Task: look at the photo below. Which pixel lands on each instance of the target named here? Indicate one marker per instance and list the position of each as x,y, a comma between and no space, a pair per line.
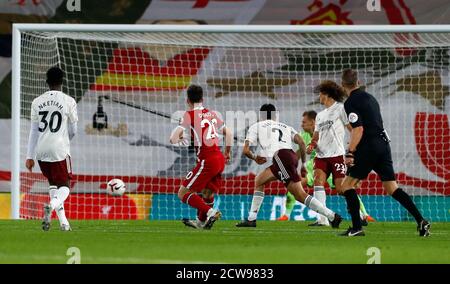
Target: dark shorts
57,173
333,165
284,166
373,155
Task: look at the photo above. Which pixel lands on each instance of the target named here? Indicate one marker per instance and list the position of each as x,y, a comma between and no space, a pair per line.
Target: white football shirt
271,136
53,110
330,123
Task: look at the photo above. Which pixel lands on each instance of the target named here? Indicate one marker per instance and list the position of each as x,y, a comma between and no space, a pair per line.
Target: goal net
139,80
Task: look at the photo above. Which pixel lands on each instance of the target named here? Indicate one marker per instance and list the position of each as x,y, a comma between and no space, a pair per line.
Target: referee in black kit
369,150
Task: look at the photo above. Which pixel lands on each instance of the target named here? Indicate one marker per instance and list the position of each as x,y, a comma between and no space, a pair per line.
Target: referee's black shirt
363,110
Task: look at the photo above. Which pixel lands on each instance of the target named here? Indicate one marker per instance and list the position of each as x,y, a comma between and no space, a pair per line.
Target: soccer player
308,125
369,150
53,124
307,175
207,195
204,126
328,141
275,139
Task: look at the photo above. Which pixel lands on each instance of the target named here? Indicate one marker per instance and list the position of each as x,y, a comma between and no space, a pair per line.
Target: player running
275,139
204,126
53,124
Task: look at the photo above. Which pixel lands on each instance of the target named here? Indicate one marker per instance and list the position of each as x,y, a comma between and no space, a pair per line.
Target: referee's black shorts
373,154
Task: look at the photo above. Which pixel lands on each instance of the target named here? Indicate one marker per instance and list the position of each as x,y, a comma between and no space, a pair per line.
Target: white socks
315,205
320,195
258,197
57,198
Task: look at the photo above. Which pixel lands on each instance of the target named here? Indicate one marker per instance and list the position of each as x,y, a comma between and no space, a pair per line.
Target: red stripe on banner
204,3
133,88
136,61
83,206
234,185
395,17
410,16
393,13
432,135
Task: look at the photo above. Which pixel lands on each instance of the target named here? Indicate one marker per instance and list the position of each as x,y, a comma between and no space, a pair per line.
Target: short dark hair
55,76
266,110
331,89
311,114
195,93
349,78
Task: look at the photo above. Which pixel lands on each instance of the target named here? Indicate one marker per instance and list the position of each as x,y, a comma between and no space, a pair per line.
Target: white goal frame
18,29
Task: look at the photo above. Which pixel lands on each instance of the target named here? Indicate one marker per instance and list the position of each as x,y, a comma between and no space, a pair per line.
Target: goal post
139,73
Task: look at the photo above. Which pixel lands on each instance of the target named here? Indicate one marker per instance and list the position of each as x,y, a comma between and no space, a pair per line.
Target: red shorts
206,174
284,166
58,173
335,165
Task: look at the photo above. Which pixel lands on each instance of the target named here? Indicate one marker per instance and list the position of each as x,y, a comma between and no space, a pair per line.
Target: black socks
406,201
353,207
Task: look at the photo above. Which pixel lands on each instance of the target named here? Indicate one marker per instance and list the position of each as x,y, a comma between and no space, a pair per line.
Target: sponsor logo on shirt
353,117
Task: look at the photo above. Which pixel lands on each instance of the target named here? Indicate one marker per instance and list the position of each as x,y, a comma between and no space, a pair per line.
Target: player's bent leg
297,190
319,193
208,197
198,223
423,226
319,177
362,212
348,188
261,179
60,212
57,203
182,192
192,199
290,203
60,196
47,217
63,222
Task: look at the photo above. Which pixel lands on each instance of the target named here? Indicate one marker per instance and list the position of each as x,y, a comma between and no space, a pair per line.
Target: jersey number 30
51,124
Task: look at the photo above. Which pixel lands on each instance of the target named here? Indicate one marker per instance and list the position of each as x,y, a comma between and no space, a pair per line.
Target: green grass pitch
171,242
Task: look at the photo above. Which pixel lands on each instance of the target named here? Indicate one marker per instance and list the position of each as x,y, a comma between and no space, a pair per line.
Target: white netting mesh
142,78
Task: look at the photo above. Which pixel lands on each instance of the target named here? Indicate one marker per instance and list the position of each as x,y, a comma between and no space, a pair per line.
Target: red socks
197,202
202,215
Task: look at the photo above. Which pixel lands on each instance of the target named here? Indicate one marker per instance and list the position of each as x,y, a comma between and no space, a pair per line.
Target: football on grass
116,187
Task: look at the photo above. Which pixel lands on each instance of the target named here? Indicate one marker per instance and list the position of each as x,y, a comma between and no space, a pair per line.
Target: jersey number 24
211,132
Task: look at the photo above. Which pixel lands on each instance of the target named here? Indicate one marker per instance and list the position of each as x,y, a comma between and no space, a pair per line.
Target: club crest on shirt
353,117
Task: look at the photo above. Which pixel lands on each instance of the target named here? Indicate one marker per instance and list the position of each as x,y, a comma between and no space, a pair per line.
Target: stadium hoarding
236,207
155,198
83,206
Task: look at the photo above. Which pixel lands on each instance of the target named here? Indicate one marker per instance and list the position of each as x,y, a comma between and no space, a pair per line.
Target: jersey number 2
212,133
51,123
280,134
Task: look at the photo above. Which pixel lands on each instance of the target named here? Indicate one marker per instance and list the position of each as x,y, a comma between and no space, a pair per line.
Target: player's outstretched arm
72,129
32,142
301,153
313,144
349,127
177,135
247,152
228,143
355,138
